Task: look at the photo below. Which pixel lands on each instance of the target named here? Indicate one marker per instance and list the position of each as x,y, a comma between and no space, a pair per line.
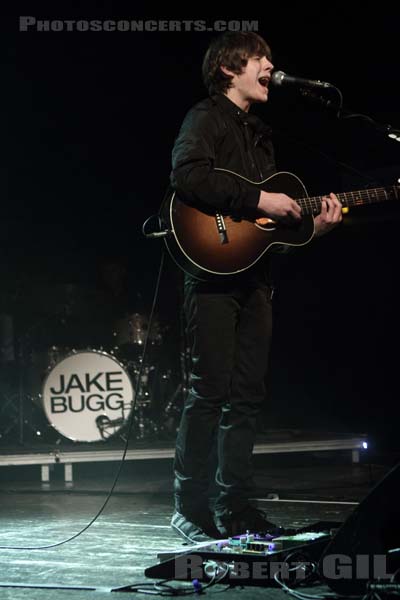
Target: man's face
252,84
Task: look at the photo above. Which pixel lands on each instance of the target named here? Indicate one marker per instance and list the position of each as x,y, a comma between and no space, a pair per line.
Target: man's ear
226,71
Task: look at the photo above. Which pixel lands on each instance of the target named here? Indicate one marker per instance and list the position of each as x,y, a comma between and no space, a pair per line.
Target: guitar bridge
221,227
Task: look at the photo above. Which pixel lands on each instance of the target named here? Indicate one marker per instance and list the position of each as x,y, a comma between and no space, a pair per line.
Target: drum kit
95,393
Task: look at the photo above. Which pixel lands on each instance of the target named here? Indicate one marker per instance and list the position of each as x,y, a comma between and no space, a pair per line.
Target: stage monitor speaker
364,547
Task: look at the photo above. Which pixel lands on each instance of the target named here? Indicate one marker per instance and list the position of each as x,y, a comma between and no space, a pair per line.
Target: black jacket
217,133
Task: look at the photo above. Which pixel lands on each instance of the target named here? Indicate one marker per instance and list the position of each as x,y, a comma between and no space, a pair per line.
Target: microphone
280,78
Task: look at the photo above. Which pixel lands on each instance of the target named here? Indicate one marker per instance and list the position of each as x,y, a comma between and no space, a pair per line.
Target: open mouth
264,81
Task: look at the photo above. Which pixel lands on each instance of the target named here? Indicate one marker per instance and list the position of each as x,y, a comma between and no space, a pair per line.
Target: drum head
88,396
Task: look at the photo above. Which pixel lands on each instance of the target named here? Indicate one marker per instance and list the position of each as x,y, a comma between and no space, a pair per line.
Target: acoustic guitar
207,244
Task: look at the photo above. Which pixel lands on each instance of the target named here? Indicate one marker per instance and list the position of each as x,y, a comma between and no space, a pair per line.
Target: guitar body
200,248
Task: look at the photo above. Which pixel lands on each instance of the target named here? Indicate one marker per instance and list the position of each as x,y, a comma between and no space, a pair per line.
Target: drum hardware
23,424
129,335
27,418
9,414
105,424
145,419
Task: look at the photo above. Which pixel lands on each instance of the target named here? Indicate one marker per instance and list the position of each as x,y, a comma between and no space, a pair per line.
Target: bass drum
88,396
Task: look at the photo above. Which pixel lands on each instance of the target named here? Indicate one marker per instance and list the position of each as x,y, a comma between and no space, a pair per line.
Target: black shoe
249,519
196,528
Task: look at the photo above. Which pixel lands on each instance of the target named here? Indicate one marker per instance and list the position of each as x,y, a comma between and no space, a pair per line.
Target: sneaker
249,519
196,528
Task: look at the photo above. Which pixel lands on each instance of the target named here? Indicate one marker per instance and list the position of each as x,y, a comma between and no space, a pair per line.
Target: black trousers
229,330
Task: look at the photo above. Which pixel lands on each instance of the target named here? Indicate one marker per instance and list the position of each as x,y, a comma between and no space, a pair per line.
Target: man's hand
279,207
330,215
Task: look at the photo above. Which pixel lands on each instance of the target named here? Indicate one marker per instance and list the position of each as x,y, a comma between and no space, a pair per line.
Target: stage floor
134,526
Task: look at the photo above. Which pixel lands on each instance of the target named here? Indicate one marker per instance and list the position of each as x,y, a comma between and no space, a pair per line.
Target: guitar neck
312,205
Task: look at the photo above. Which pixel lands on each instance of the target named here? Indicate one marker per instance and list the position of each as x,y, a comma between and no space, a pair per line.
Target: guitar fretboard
312,205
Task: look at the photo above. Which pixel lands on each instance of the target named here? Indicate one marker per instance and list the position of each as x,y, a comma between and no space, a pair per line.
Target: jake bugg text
89,391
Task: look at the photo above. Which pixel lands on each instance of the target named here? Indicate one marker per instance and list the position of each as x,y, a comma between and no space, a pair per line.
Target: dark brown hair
231,50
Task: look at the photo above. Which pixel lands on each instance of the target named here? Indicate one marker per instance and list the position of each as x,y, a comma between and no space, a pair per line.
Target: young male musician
229,321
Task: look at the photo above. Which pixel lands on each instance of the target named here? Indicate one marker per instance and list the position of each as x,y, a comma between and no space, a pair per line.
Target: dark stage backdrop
88,122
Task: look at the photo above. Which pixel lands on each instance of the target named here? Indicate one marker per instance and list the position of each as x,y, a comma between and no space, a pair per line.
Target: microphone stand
343,113
320,97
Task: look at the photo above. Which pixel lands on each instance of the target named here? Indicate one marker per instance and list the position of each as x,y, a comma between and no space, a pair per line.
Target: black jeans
229,331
